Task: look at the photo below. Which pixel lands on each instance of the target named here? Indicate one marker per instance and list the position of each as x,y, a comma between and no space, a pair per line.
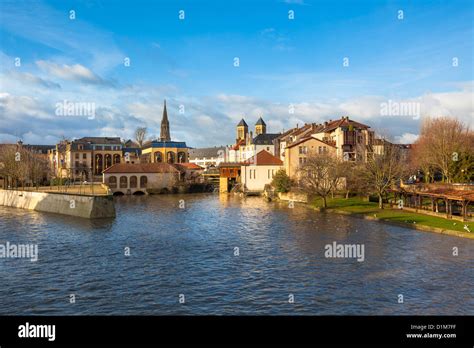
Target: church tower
260,127
242,130
165,126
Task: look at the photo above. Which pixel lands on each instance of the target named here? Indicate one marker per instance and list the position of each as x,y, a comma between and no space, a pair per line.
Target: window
76,164
76,155
113,182
123,182
107,148
133,182
143,181
158,157
84,156
303,150
80,147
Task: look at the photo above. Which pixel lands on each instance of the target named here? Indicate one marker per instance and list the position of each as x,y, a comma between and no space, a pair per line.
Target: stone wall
67,204
294,196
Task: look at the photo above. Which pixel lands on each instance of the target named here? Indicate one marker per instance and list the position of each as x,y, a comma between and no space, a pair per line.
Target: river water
190,253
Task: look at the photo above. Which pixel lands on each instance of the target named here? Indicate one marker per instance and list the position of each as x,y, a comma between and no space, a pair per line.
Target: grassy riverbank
358,206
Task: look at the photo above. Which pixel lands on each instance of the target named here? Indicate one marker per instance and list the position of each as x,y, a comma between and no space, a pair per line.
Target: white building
259,170
209,156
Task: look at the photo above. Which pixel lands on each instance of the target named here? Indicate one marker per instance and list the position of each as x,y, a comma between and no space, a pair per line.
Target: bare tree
320,174
442,141
140,135
355,178
383,169
20,165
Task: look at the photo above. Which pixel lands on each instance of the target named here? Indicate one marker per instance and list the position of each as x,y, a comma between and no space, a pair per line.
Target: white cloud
406,138
76,72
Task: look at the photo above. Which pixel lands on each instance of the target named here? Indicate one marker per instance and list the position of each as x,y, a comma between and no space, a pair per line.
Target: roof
240,142
263,158
305,139
187,166
265,139
206,152
127,168
131,144
242,123
100,140
343,122
260,122
230,165
165,144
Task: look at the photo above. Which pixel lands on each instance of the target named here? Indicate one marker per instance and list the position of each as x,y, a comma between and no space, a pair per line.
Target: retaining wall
75,205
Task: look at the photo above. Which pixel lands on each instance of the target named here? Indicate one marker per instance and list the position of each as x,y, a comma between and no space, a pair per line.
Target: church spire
165,126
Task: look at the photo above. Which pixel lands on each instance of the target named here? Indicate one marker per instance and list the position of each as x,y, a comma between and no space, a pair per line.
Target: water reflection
191,250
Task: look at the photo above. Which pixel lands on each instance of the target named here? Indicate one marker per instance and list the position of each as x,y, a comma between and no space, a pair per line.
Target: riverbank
360,208
85,206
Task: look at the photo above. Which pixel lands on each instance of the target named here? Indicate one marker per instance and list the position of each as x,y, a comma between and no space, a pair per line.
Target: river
227,255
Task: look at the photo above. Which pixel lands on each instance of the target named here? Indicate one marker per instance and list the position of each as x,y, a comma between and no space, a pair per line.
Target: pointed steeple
165,126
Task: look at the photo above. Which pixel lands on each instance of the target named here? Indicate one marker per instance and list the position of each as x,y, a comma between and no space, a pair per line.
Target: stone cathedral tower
165,126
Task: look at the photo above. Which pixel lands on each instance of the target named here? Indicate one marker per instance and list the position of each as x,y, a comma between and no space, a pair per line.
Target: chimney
297,125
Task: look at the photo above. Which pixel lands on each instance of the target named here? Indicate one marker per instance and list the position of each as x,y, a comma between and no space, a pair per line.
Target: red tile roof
263,158
188,166
141,168
343,122
239,143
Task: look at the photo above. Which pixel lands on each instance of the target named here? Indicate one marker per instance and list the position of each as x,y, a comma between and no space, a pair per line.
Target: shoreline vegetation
361,208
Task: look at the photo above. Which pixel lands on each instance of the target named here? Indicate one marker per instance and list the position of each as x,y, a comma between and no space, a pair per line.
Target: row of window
124,182
80,147
303,150
77,154
253,173
170,157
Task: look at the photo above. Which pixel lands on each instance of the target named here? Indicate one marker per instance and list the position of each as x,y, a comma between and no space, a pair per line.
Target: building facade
296,153
247,145
208,157
128,178
85,158
258,171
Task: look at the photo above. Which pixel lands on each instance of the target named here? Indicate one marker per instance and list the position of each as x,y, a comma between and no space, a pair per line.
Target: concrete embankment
67,204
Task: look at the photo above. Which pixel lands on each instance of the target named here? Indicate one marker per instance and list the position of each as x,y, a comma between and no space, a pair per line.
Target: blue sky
190,62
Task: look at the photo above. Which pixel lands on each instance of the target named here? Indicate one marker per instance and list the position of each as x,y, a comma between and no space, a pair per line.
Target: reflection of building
85,156
127,178
259,170
164,150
